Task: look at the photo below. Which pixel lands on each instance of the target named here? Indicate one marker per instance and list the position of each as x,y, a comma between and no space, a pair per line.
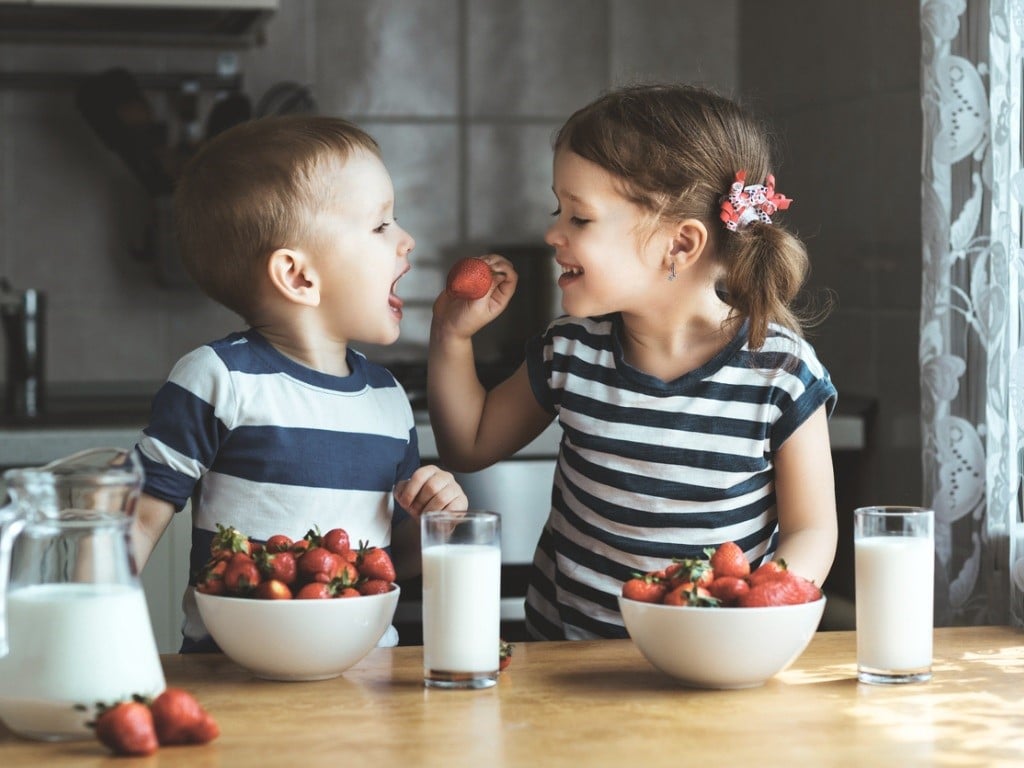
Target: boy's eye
557,211
384,225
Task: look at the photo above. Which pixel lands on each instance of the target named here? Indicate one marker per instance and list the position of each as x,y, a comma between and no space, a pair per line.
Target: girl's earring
672,271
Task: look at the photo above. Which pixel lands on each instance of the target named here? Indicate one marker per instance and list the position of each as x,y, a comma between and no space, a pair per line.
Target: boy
289,221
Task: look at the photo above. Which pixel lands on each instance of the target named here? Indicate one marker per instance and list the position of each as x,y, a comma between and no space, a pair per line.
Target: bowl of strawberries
307,609
713,623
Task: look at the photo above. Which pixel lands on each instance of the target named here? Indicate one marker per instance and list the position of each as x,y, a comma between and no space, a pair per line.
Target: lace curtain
972,361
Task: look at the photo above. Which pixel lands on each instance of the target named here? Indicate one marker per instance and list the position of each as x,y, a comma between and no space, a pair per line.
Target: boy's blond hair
252,190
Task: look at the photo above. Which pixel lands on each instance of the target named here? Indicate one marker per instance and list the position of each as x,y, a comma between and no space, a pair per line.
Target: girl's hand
461,317
430,488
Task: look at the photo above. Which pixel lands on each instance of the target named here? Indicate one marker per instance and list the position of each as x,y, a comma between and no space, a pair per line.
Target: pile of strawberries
139,726
317,566
724,579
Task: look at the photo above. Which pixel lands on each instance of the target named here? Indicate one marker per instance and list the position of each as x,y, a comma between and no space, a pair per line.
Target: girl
692,410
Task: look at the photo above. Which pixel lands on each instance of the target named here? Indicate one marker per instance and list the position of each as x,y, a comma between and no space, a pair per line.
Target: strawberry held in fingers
470,278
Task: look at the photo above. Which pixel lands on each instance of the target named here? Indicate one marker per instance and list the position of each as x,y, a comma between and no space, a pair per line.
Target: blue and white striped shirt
649,470
264,444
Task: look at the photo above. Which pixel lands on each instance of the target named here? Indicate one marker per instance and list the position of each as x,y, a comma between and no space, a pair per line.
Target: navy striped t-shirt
650,470
259,442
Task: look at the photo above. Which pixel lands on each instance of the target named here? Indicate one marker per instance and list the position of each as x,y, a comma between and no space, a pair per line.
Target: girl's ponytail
766,269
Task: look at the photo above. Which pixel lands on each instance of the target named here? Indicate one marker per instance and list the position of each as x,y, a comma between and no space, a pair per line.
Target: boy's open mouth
569,274
395,303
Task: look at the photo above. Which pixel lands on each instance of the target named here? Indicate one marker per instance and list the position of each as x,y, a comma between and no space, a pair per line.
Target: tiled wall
463,96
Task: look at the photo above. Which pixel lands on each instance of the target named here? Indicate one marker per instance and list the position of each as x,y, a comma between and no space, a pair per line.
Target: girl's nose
552,237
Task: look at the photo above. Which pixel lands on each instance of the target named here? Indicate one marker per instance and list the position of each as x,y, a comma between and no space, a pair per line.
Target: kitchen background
464,97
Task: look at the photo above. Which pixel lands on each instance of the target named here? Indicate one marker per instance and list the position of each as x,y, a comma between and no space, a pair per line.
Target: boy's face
360,253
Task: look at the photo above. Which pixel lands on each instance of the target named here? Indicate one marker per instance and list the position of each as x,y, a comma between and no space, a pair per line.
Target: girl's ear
689,239
293,277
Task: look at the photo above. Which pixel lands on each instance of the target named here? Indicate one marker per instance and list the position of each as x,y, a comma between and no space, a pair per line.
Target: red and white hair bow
746,204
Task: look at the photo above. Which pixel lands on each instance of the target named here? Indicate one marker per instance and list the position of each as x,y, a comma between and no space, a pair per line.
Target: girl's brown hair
253,189
675,150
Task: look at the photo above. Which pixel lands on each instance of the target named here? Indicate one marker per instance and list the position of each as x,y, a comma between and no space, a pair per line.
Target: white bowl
721,647
297,639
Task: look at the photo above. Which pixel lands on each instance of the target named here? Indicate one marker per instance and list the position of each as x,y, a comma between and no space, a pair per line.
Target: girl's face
607,265
361,253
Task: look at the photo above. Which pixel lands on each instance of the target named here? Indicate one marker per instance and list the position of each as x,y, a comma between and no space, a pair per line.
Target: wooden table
599,704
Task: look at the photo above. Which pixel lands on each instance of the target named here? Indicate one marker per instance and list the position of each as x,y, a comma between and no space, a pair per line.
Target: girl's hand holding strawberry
463,317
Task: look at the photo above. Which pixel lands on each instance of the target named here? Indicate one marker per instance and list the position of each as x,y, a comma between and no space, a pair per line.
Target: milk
74,644
461,608
894,602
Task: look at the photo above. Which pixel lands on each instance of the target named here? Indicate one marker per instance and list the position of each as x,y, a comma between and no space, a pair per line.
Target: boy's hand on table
430,487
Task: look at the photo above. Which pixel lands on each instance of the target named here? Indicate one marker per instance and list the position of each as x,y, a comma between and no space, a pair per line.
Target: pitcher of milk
76,629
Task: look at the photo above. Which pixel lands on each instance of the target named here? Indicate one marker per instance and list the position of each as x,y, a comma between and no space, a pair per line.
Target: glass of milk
461,598
894,563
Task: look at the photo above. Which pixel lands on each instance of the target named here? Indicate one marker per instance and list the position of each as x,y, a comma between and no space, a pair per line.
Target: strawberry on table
504,654
469,278
127,728
180,719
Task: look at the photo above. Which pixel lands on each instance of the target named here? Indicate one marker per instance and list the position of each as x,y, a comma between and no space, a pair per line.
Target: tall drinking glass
894,556
461,598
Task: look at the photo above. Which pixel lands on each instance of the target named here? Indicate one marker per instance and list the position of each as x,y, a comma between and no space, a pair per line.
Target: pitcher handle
10,527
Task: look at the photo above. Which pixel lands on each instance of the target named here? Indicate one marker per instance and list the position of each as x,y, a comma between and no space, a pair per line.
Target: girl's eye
384,225
576,221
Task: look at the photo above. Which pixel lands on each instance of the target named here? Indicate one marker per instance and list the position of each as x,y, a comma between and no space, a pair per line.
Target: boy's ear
689,238
293,277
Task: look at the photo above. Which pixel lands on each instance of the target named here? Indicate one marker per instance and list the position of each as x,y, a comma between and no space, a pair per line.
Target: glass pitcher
76,629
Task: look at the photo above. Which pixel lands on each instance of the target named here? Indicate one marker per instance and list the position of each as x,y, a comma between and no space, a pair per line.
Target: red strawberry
374,587
348,592
315,590
228,541
127,729
646,588
319,564
336,540
242,575
504,654
273,589
782,590
180,719
728,589
375,563
689,570
728,560
278,543
767,571
211,580
278,565
470,278
689,593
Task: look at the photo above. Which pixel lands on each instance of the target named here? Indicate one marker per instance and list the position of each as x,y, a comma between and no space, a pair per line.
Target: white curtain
972,362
